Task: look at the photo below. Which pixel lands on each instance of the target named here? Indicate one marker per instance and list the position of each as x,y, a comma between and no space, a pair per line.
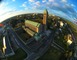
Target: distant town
37,36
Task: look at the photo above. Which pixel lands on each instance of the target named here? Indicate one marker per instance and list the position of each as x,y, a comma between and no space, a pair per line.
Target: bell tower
45,18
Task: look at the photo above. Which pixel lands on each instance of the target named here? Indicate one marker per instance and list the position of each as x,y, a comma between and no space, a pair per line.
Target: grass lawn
51,54
19,55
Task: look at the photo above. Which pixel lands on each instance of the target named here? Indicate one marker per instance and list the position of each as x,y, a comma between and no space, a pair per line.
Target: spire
45,11
45,18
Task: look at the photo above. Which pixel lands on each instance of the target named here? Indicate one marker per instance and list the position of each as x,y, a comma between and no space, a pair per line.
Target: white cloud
2,7
51,0
5,9
25,2
48,3
72,5
37,3
31,0
43,1
35,7
55,4
13,0
24,5
64,1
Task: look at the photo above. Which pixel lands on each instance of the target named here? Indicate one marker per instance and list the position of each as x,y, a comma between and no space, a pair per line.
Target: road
33,53
9,50
20,43
43,48
58,47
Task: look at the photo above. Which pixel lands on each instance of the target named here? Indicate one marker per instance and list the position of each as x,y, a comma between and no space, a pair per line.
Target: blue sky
63,8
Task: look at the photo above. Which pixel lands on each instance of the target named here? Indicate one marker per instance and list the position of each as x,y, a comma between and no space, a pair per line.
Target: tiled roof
36,24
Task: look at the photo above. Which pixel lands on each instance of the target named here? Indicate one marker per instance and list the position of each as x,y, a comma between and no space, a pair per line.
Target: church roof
36,24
